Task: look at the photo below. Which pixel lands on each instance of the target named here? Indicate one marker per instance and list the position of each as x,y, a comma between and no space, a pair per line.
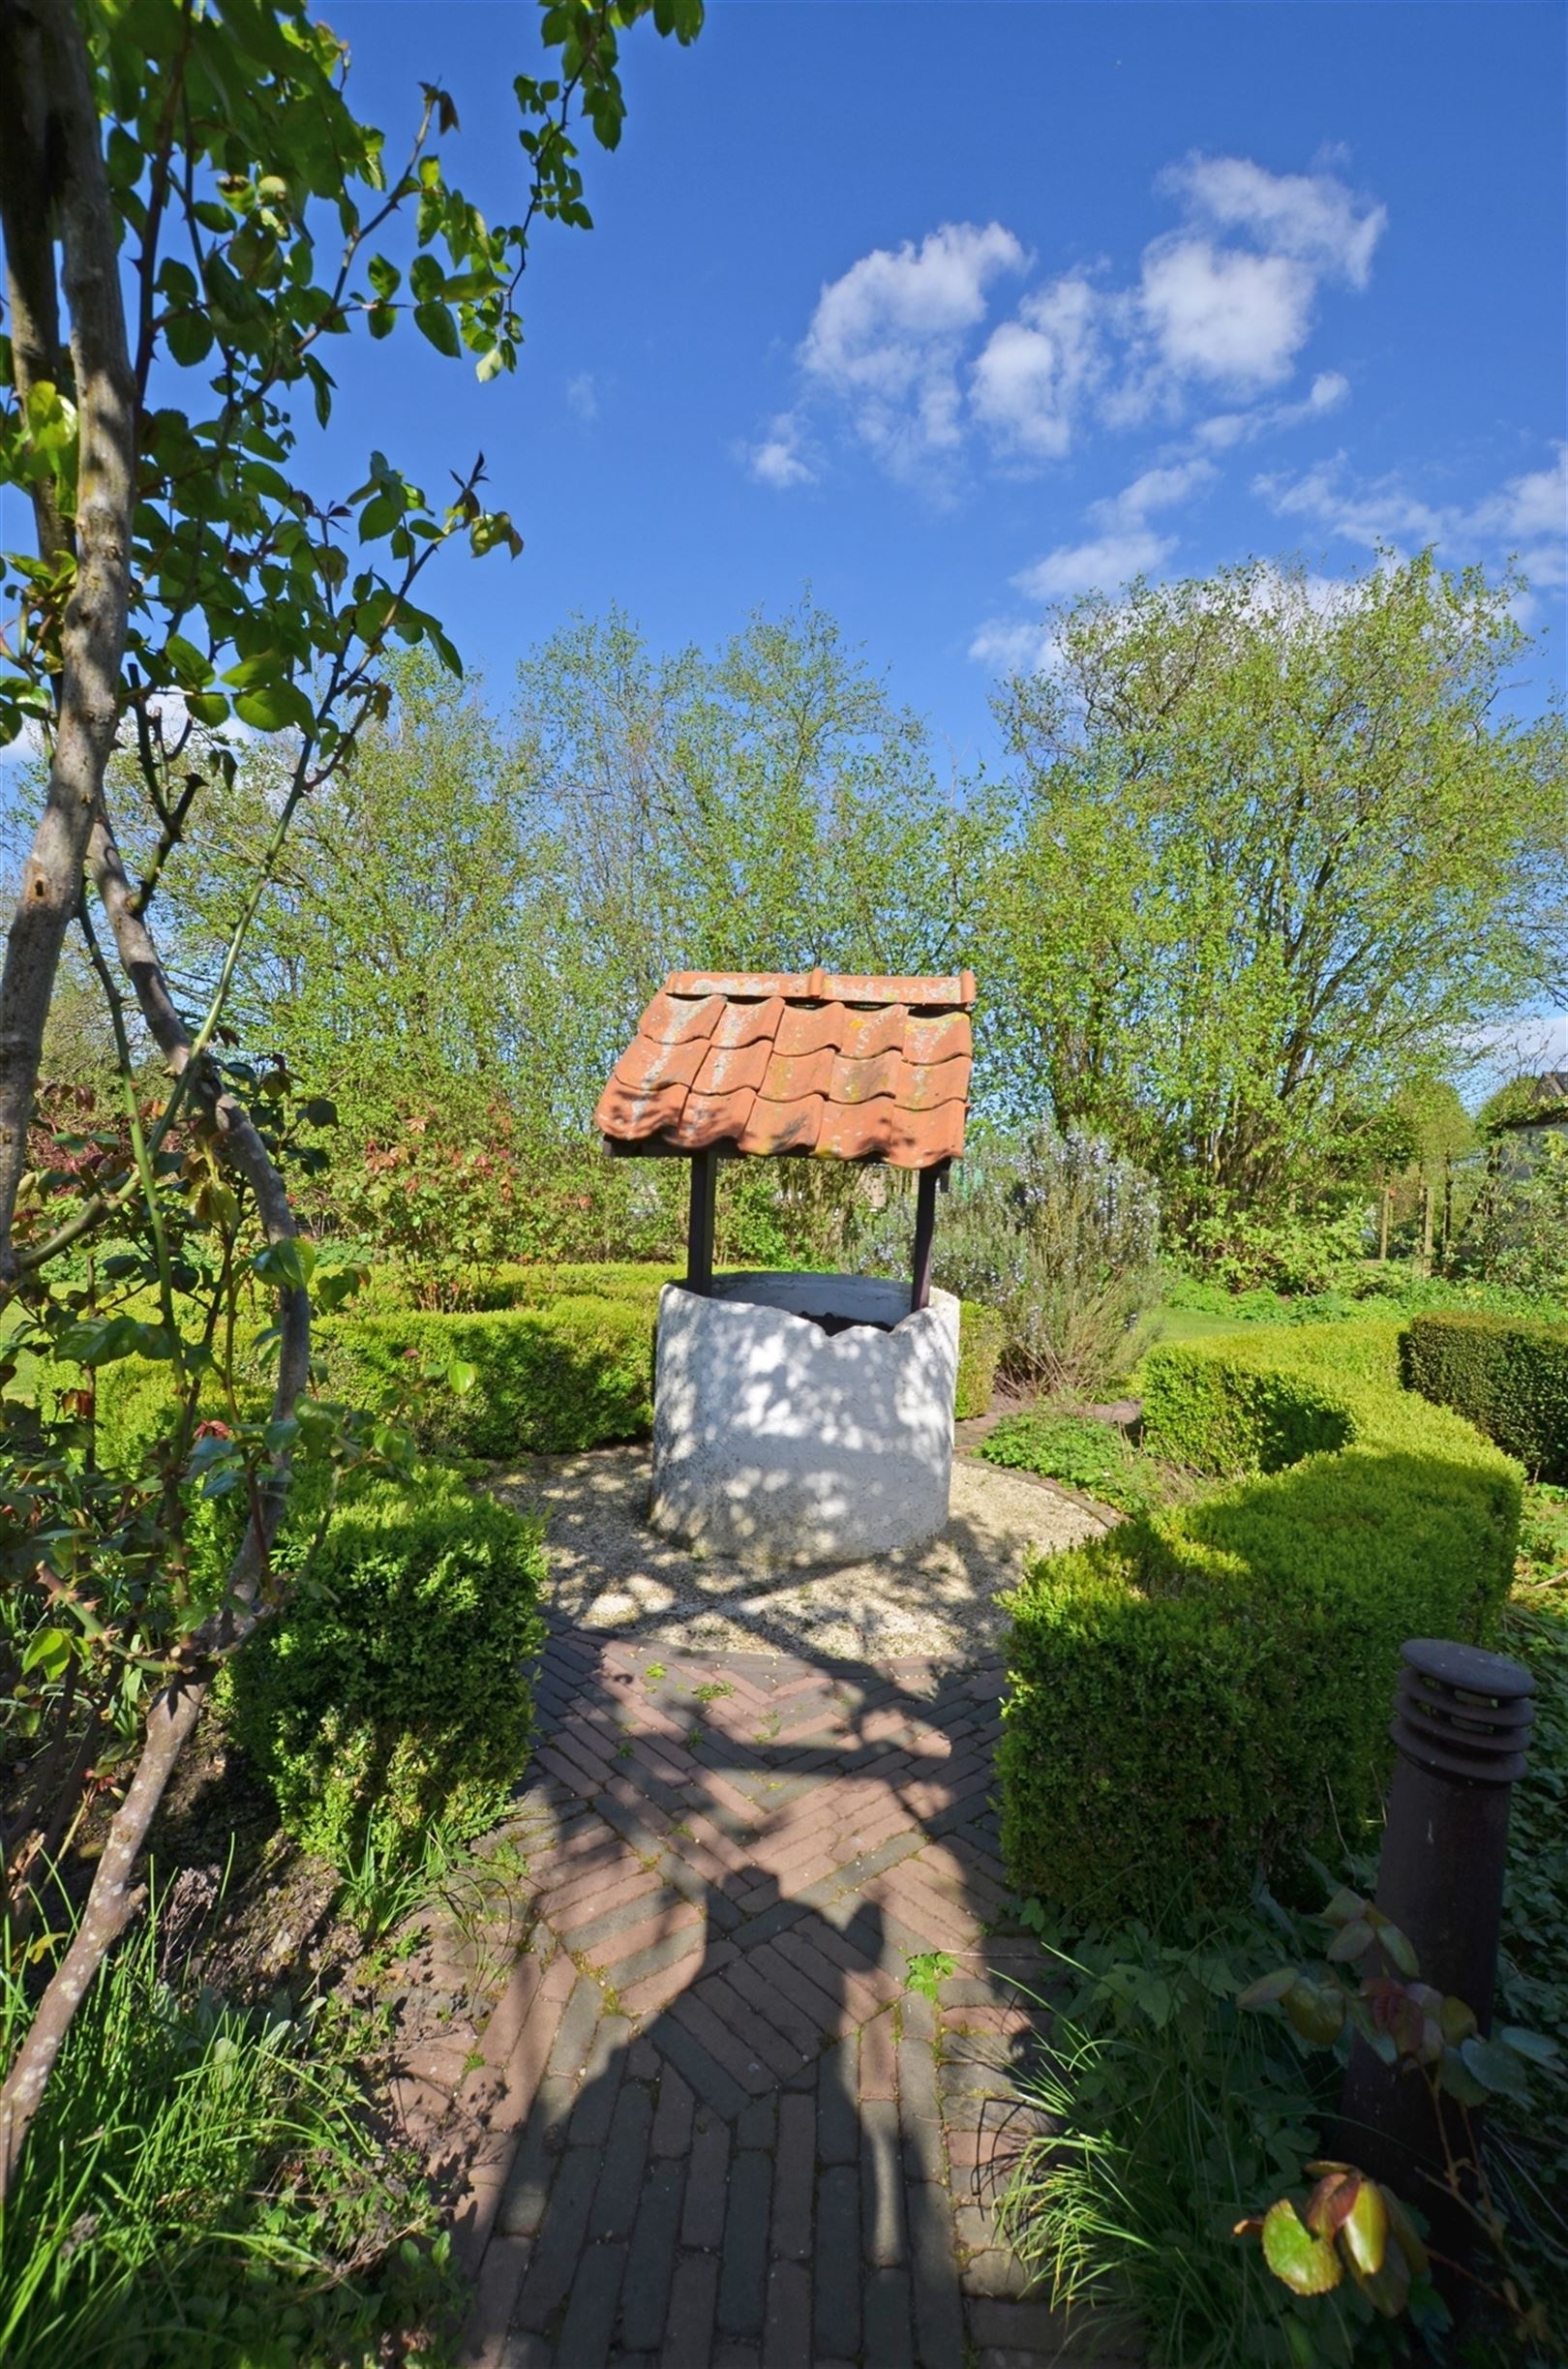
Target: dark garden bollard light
1462,1722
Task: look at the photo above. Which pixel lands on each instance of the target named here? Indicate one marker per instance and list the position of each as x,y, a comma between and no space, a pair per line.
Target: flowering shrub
1059,1235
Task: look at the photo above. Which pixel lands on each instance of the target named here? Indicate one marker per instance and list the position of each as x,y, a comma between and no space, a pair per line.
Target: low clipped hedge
577,1374
1508,1377
393,1692
1205,1691
570,1369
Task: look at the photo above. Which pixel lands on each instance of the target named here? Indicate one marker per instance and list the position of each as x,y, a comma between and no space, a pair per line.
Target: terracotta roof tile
844,1066
805,1029
671,1019
782,1127
862,1081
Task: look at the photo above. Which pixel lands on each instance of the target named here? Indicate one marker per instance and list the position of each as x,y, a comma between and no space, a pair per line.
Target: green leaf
1495,2068
1269,1989
191,667
188,337
1351,1941
461,1375
274,707
436,323
1316,2011
49,1652
1305,2263
1364,2230
289,1263
1396,1948
1457,2081
51,421
207,706
1536,2046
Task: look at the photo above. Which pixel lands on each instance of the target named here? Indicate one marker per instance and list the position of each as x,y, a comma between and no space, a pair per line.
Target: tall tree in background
1277,855
191,212
764,806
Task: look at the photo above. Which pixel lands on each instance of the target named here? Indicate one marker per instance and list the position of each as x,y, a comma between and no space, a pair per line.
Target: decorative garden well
800,1418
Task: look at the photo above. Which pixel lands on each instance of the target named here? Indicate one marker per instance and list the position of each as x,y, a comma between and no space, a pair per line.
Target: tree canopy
1277,856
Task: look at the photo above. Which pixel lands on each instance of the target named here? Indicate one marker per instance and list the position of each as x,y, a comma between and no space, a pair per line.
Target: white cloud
888,336
1313,217
777,459
1527,516
1531,510
1011,647
583,395
1033,370
1328,390
1103,564
1221,313
1157,489
906,347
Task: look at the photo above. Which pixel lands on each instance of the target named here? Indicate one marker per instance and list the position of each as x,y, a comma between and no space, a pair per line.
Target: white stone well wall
779,1440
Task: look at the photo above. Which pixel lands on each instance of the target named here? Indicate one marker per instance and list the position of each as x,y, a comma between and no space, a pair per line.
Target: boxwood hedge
1205,1691
1510,1378
575,1374
559,1363
393,1689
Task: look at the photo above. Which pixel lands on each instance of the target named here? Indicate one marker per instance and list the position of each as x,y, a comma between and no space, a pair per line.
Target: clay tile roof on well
841,1065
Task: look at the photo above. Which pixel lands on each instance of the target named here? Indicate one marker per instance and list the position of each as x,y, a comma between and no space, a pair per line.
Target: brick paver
717,2124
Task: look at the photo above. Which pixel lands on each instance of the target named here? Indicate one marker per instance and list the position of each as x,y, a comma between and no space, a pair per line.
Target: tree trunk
45,80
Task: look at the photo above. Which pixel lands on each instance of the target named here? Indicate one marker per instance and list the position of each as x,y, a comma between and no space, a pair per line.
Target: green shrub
575,1374
982,1332
1509,1378
1057,1233
1209,1686
629,1283
392,1691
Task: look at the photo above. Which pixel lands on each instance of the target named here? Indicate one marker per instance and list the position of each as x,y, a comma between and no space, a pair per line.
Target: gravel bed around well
609,1570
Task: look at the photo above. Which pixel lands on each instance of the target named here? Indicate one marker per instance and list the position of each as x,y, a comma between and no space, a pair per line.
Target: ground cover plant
1086,1454
205,2184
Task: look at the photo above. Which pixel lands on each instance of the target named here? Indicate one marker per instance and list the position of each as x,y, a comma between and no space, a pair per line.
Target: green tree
190,213
1276,856
766,805
390,960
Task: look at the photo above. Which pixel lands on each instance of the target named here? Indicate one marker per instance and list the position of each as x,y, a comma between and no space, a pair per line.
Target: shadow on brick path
719,2125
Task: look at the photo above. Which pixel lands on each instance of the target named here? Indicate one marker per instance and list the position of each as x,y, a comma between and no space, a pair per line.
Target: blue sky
949,309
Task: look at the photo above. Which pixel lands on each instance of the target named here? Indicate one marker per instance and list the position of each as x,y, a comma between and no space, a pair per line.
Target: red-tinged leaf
1332,2201
1302,2261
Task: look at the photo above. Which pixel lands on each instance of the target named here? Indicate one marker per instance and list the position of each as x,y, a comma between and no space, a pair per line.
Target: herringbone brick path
723,2129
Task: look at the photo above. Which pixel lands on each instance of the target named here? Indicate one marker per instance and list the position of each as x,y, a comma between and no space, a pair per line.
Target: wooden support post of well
700,1223
926,1193
1425,1224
